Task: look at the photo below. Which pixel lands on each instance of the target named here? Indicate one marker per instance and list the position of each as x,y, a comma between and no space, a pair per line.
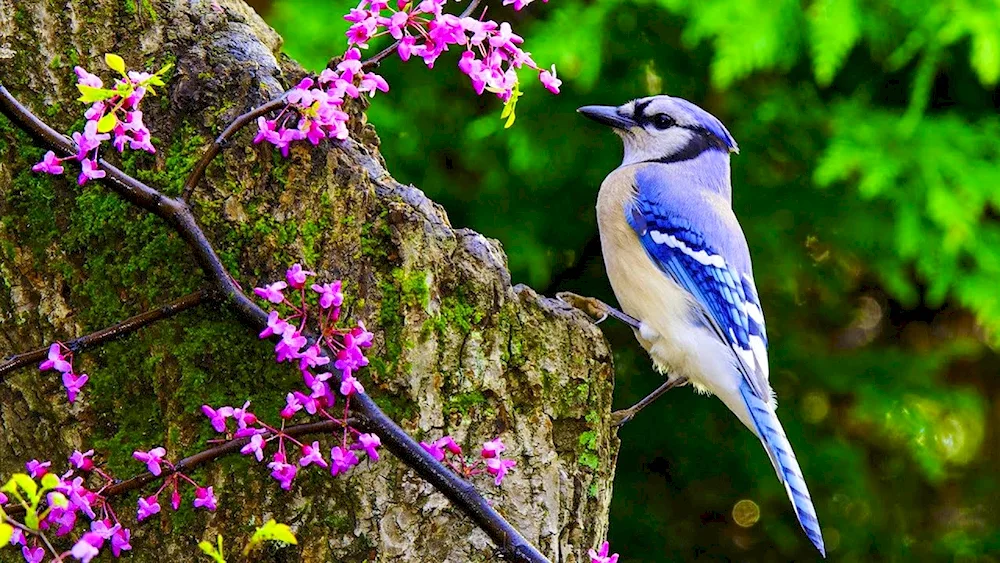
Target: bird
679,263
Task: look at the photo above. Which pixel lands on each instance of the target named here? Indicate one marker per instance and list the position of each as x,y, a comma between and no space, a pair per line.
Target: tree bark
459,350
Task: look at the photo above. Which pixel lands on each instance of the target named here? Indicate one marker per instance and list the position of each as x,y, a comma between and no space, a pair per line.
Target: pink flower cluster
68,501
446,450
317,307
113,111
492,52
61,359
204,497
491,57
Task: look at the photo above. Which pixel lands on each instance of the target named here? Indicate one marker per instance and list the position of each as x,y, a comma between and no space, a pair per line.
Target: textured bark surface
459,350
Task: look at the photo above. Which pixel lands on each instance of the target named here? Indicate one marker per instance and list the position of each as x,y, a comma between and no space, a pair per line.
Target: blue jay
678,262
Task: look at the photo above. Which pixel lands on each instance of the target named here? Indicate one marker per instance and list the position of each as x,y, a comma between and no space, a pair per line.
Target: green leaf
271,531
107,123
91,94
986,55
115,63
833,31
6,531
211,551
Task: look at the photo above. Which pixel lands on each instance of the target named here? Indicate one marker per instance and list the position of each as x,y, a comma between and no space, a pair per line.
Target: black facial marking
639,114
702,140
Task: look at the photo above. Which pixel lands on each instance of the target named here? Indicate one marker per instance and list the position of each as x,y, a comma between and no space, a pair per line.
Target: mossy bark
459,350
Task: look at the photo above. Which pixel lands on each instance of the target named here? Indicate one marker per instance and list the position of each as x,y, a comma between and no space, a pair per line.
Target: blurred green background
869,189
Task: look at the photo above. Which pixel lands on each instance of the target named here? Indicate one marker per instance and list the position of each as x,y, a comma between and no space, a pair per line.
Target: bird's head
663,129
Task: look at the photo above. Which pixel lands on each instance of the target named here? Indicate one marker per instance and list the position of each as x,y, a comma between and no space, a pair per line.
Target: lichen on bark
459,349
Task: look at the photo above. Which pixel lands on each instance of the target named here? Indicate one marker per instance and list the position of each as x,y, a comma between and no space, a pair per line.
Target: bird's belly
677,346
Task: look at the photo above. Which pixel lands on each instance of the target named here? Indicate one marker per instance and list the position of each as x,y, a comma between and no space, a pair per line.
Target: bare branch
511,544
220,142
114,332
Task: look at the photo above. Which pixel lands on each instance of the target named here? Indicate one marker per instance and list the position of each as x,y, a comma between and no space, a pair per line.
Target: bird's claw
618,418
594,308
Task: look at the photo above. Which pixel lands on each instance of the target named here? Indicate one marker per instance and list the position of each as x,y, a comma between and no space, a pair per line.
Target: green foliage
869,191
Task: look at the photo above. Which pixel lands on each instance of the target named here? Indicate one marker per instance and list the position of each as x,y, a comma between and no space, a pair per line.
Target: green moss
396,408
181,156
456,313
463,402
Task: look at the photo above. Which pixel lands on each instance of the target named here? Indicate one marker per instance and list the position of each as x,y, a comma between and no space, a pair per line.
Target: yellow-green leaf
209,549
31,519
115,63
50,481
107,123
271,531
91,94
25,483
58,499
6,531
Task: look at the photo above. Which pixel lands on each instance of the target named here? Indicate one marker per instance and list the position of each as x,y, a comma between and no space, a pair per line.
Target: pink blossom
312,454
601,556
330,294
275,325
255,446
17,538
549,80
73,384
266,131
370,444
82,461
283,472
153,458
83,550
292,406
499,467
289,345
405,47
87,79
341,460
38,469
56,360
217,417
32,554
50,164
147,507
312,357
350,386
90,172
296,276
120,541
205,498
64,517
243,416
175,499
493,448
271,292
434,449
372,82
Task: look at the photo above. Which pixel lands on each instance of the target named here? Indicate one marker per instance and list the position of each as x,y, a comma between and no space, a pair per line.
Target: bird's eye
663,121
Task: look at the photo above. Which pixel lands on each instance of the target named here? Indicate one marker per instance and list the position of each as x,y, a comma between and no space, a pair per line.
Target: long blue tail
772,435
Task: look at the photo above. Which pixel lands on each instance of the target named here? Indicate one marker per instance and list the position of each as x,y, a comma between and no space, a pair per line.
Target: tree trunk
458,350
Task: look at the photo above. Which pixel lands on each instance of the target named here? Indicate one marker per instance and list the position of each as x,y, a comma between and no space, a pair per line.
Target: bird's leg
596,308
600,310
621,417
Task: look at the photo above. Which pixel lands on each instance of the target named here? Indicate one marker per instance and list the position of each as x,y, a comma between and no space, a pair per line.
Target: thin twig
213,149
28,530
377,58
511,544
114,332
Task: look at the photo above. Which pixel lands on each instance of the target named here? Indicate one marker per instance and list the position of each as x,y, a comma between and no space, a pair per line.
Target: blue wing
728,298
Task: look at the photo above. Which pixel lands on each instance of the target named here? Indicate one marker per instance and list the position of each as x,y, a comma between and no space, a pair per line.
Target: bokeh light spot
746,513
815,406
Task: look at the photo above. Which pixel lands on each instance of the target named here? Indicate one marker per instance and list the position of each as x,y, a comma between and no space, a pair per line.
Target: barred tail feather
772,435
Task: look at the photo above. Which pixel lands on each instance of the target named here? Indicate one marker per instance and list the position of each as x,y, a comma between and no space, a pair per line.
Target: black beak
607,115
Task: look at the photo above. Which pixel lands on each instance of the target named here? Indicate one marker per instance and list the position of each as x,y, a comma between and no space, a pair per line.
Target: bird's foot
595,308
619,418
